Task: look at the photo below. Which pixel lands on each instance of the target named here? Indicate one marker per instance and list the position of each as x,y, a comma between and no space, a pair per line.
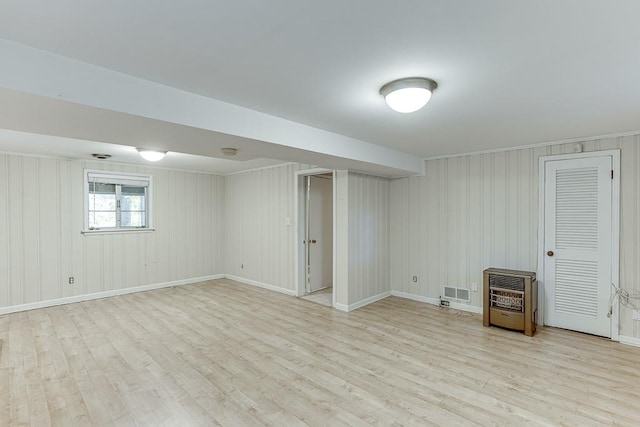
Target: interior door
319,232
578,244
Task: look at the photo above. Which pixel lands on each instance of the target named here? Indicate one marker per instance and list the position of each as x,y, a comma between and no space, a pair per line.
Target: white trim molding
106,294
362,303
435,301
259,284
298,222
534,145
629,340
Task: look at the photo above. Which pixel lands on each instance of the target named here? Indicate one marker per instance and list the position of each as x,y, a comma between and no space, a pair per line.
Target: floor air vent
460,294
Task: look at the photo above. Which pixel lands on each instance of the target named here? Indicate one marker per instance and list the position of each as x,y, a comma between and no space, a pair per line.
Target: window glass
117,201
102,205
132,219
102,219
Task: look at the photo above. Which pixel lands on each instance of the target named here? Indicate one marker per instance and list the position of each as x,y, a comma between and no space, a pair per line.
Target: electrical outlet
444,303
72,280
474,287
415,279
636,314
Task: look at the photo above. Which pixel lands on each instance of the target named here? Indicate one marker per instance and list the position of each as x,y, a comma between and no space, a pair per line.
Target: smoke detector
101,156
229,151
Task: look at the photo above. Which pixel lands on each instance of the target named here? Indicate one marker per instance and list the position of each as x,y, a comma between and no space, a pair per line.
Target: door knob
550,253
314,241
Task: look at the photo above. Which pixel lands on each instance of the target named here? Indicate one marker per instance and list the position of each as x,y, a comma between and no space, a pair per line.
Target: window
117,202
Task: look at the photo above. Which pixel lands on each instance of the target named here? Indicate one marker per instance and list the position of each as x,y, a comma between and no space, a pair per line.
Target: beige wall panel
472,212
629,227
342,245
259,245
368,210
42,216
5,277
16,237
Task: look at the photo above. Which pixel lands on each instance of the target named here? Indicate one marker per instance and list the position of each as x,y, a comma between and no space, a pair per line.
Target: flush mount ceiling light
151,154
408,95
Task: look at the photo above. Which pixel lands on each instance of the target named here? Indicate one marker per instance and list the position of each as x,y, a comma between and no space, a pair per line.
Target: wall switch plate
415,279
287,221
636,314
474,286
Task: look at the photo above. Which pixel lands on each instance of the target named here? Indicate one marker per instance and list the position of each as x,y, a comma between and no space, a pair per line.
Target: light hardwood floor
323,296
222,353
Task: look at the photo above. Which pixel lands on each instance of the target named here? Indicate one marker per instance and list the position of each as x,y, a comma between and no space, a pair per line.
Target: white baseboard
341,307
260,284
436,301
105,294
629,340
359,304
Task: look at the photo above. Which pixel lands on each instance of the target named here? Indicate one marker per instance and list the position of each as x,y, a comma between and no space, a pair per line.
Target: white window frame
118,176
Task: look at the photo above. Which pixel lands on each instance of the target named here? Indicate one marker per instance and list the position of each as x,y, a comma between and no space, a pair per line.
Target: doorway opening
315,236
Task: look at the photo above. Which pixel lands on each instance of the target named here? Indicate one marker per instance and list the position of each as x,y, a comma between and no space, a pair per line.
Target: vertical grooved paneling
30,230
257,205
64,243
428,281
16,238
630,229
368,242
482,211
396,230
635,250
42,216
473,211
5,242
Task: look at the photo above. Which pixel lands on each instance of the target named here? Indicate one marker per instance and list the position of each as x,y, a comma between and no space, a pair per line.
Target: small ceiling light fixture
229,151
408,95
151,154
101,156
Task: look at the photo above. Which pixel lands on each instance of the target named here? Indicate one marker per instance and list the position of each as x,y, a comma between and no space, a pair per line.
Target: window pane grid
122,204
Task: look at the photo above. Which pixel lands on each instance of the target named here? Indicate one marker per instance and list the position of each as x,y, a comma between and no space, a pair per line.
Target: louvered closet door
577,271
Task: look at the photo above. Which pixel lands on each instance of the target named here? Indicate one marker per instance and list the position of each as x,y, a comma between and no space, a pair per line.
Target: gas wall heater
510,299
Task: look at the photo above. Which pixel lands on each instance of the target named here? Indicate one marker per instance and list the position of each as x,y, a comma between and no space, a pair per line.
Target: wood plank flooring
323,296
222,353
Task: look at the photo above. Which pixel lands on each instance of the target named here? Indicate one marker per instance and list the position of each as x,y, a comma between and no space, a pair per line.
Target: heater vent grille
461,294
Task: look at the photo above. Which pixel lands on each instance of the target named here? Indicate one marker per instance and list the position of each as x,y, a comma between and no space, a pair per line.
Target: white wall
477,211
260,247
41,217
466,214
368,231
259,244
342,245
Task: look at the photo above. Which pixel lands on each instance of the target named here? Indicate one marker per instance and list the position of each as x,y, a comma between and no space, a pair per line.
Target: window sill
132,231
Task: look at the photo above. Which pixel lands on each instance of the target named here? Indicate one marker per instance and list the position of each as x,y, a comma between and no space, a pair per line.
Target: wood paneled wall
477,211
41,245
259,243
466,214
368,212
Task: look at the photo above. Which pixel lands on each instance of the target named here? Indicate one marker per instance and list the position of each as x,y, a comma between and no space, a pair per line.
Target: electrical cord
627,299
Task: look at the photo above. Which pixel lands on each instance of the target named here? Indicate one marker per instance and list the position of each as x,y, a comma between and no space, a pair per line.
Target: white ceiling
77,149
510,73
